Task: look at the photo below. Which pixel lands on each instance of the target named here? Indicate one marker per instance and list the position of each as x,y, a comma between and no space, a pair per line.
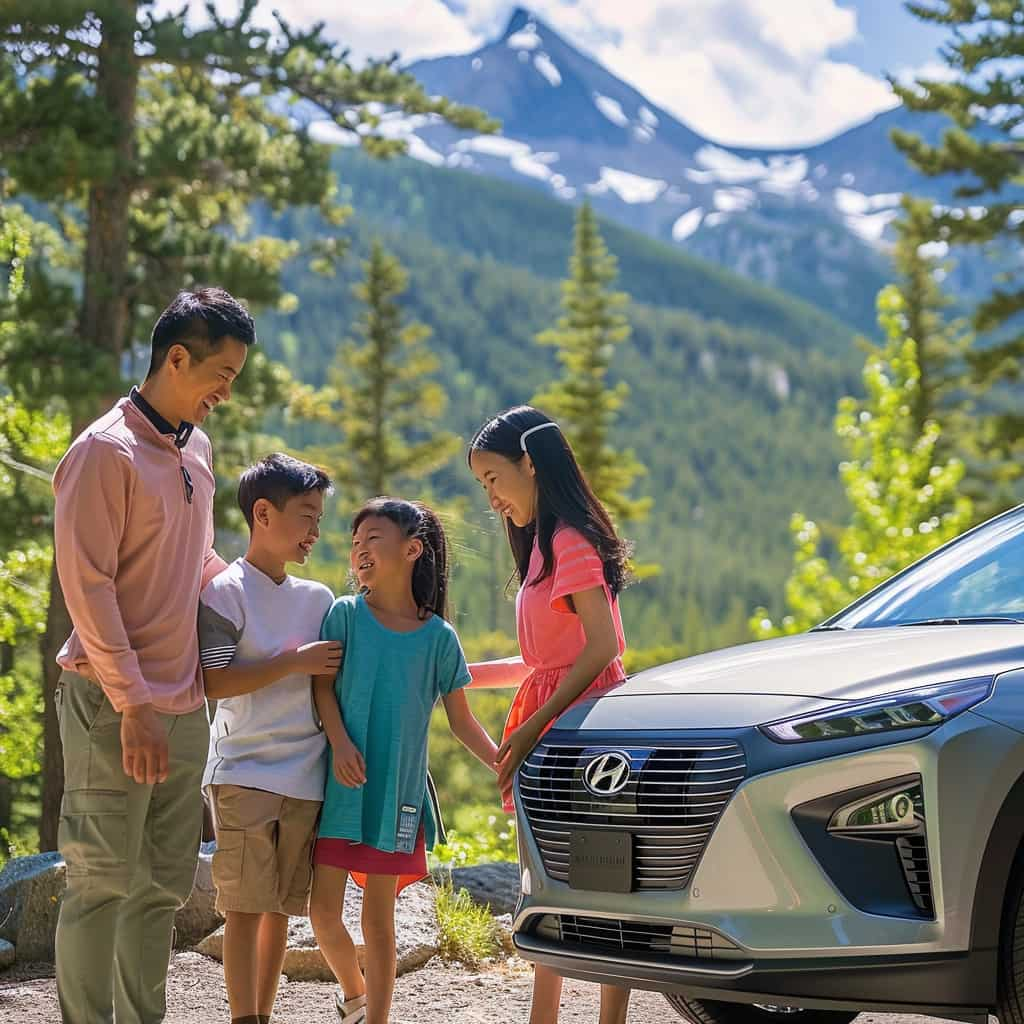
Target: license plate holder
601,860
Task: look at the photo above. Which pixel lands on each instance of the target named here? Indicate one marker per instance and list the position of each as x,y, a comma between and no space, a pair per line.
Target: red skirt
360,860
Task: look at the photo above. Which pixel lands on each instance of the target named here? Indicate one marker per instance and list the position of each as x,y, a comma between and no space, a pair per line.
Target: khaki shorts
263,863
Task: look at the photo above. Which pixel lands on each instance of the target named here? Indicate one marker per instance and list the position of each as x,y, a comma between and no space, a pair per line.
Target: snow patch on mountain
648,116
525,39
419,150
850,202
734,199
687,224
544,64
630,188
612,109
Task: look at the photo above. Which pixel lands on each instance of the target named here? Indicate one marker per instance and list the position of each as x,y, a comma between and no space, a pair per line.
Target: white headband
526,433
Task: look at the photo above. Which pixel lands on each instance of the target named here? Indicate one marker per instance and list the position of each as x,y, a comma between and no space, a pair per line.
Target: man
134,547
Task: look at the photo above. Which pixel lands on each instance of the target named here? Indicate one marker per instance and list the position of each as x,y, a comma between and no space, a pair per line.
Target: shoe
352,1012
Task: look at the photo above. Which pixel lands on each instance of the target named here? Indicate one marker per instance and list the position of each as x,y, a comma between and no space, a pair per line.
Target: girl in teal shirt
400,655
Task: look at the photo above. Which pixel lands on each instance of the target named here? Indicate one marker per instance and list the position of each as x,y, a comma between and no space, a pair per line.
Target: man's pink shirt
132,556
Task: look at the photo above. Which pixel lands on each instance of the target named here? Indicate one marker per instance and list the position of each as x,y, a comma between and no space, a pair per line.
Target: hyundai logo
607,774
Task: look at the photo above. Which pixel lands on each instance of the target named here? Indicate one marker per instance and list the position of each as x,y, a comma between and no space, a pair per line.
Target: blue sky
741,72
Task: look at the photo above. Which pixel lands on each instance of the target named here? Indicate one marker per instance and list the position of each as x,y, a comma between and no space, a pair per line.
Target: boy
259,647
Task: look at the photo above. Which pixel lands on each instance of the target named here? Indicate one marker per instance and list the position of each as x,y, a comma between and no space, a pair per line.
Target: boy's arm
234,680
468,730
349,766
221,624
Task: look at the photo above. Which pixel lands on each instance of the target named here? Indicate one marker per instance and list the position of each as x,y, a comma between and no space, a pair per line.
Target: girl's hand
512,753
349,766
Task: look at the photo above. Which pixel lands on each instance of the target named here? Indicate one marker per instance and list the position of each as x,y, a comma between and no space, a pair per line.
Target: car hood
840,666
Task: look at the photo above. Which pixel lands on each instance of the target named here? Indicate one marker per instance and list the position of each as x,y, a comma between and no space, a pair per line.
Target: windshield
979,576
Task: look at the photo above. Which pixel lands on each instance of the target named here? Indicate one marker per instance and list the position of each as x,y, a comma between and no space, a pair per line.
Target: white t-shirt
269,739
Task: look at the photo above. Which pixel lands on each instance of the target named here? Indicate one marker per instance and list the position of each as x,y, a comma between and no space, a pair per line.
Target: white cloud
742,72
412,28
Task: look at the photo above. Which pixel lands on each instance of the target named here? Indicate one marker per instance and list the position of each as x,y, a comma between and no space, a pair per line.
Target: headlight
913,709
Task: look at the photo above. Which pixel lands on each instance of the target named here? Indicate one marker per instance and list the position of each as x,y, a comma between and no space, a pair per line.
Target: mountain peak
521,17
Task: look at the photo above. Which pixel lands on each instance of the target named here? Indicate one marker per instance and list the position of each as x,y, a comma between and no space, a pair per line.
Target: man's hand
349,766
322,658
143,745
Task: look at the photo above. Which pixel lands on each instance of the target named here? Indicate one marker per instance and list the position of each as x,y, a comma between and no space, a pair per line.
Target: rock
415,930
494,885
198,918
503,924
6,954
31,889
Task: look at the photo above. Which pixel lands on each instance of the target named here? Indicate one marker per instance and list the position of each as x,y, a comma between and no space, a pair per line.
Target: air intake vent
913,851
610,935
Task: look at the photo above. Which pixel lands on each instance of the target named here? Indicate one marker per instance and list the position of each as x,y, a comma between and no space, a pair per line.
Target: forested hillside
733,385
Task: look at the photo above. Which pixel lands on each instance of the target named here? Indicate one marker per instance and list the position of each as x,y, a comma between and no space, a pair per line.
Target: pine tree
150,141
381,395
941,344
983,146
904,501
593,324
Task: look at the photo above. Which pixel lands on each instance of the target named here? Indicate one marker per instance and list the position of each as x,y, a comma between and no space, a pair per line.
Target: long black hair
417,521
563,495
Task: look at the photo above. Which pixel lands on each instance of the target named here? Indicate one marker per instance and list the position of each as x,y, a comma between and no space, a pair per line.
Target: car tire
708,1011
1010,985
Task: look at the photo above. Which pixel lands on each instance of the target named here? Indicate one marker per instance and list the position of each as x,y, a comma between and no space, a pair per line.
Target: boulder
6,954
31,889
492,885
198,918
415,930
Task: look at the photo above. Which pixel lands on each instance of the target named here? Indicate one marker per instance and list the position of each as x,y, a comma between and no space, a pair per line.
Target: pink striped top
551,636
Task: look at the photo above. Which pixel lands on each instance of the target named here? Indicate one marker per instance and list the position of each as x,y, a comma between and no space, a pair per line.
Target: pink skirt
360,860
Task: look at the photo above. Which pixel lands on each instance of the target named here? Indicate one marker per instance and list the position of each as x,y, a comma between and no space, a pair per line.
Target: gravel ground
437,994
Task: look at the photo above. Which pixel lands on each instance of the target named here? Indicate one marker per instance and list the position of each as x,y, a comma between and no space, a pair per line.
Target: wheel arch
1001,862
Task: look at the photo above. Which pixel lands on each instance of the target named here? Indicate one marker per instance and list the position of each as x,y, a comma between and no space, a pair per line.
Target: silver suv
816,825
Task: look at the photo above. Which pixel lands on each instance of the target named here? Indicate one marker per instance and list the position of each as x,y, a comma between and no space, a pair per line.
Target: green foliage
382,395
21,727
467,932
984,97
904,503
592,326
482,838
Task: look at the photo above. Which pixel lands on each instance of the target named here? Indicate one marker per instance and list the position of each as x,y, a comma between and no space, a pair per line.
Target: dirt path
437,994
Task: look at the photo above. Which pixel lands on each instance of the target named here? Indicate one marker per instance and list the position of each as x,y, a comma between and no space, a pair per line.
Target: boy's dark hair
430,573
277,478
200,320
564,497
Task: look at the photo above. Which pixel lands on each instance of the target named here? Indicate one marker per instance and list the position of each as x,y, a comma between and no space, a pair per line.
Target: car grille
913,851
670,805
610,935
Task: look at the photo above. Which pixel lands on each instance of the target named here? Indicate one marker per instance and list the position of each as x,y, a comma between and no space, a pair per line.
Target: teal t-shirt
387,687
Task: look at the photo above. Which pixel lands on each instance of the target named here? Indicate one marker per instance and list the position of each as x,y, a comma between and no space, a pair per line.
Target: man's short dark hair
277,478
200,320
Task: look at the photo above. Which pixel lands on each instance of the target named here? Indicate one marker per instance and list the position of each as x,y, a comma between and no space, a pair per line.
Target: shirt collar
181,434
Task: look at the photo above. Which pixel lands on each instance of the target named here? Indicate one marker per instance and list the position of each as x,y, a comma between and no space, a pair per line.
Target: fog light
897,810
525,882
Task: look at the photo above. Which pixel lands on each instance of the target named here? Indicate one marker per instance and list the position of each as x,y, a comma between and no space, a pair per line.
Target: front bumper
794,936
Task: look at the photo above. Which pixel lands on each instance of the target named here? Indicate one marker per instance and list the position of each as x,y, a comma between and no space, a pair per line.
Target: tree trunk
103,329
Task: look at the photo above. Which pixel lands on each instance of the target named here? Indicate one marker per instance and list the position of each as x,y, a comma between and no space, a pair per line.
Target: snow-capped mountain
812,221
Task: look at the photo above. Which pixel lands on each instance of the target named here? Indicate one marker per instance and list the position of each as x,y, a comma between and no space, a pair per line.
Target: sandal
352,1012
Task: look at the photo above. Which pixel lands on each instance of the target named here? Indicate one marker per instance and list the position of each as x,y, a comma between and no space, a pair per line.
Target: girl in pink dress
570,566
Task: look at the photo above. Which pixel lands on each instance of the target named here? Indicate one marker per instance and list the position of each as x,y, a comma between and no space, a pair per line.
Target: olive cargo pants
131,853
